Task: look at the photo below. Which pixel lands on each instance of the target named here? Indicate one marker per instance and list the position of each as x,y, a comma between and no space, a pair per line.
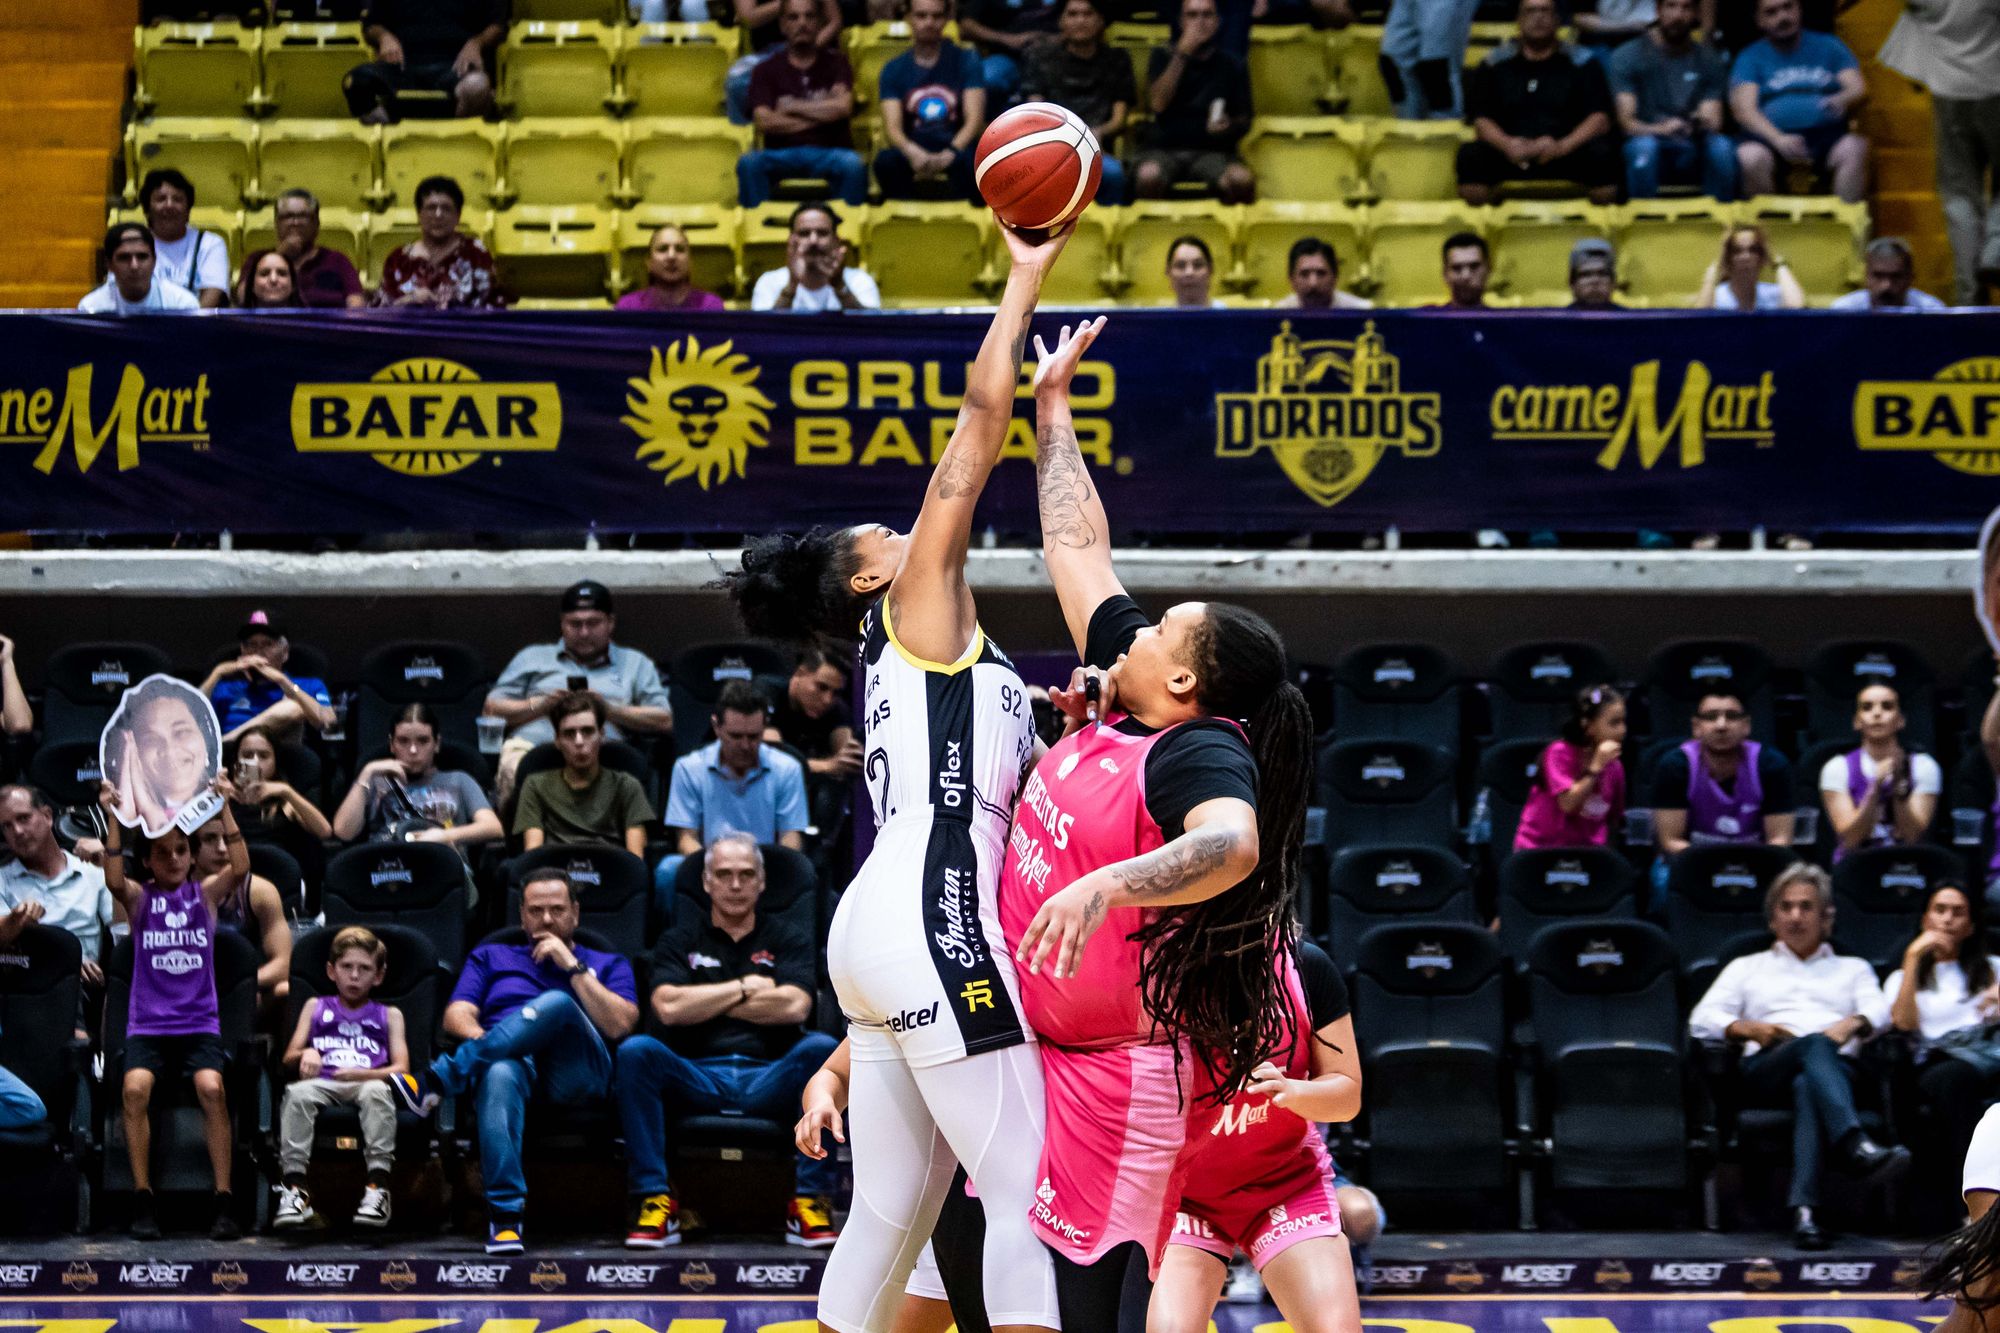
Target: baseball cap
1591,247
589,595
260,623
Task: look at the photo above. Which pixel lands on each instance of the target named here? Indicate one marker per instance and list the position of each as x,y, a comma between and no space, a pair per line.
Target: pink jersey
1543,823
1252,1140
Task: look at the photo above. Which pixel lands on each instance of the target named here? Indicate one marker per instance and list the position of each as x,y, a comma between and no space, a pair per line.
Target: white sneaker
1245,1287
294,1208
374,1209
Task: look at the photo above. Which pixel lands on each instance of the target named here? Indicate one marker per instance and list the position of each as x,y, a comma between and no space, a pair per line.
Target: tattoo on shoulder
1063,488
1175,866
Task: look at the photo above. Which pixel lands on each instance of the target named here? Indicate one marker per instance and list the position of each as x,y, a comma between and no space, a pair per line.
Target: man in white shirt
186,256
1887,280
46,885
815,276
1799,1010
130,288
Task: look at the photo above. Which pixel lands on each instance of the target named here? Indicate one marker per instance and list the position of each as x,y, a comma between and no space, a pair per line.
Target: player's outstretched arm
1076,535
930,604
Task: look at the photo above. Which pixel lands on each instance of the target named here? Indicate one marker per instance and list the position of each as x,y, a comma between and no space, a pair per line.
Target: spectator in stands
1954,50
348,1049
1800,1013
732,991
1719,787
1467,266
174,1025
443,269
1610,24
1199,95
20,1106
129,287
1541,112
255,910
1191,273
45,885
326,278
1669,90
1888,280
583,658
816,276
535,1020
1793,93
433,47
1008,33
802,102
1579,791
1314,271
270,809
16,718
759,20
668,284
268,283
1944,996
734,784
406,795
252,689
582,801
811,715
1593,270
183,255
1735,281
1094,80
1423,56
933,107
1879,795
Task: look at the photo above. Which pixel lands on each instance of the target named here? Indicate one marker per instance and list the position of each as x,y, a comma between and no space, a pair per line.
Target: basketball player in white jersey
944,1069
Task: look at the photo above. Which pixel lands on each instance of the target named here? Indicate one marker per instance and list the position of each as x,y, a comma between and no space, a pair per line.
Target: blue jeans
652,1077
1424,42
1809,1072
757,171
1113,188
664,875
1710,158
548,1046
19,1106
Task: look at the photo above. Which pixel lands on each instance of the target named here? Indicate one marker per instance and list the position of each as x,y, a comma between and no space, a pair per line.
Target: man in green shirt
582,801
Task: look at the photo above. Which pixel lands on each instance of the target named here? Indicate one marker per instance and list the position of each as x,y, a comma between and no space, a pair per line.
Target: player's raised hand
1056,366
1036,250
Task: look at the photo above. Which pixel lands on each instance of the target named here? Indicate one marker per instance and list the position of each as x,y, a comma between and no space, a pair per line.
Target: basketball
1037,165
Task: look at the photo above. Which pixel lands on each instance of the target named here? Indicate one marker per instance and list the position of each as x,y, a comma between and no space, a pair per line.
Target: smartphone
579,682
247,772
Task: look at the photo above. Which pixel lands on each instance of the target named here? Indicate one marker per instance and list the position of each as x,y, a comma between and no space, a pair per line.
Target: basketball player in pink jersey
1263,1182
1175,821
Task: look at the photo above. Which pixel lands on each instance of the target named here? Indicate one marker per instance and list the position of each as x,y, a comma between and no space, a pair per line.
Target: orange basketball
1037,165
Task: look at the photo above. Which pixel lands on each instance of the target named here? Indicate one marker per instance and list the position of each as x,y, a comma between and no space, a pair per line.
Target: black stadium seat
1406,690
82,684
1377,885
1680,673
1839,671
1715,892
1556,885
1533,686
452,678
791,890
1608,1056
416,884
1385,790
1879,892
1969,799
1507,773
39,989
68,772
282,869
697,675
613,890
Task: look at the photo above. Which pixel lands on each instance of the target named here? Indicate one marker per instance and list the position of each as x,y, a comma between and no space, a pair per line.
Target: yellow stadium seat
676,69
398,226
931,254
304,64
1289,69
217,156
557,69
1531,244
1819,236
1665,245
672,160
1088,273
570,161
1137,41
1415,159
568,11
339,229
195,69
1405,249
1148,230
335,159
532,303
559,253
1269,230
870,46
468,151
765,229
712,252
1310,159
1356,52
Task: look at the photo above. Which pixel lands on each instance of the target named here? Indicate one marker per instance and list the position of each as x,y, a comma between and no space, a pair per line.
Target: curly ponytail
1210,971
794,589
1967,1259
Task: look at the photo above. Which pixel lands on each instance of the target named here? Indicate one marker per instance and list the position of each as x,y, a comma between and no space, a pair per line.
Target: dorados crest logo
1955,415
698,413
1328,410
426,418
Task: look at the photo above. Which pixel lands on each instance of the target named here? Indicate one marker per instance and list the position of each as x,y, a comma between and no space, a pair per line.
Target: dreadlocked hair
1967,1259
794,589
1211,971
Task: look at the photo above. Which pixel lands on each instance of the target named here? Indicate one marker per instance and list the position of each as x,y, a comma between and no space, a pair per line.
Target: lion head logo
699,412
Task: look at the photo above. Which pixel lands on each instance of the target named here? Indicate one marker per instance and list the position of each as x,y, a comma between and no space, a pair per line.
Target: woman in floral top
444,269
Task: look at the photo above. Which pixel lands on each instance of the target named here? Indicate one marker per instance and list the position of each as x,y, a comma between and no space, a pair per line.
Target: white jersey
916,949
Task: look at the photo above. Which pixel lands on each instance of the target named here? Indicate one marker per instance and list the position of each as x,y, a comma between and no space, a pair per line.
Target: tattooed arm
1076,535
929,603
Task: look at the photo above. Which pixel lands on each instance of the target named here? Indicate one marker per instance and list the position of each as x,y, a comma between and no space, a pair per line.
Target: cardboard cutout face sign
162,750
1986,595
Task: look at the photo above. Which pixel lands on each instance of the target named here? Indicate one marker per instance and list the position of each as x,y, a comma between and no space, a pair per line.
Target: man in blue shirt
252,689
1794,93
531,1016
933,107
734,784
